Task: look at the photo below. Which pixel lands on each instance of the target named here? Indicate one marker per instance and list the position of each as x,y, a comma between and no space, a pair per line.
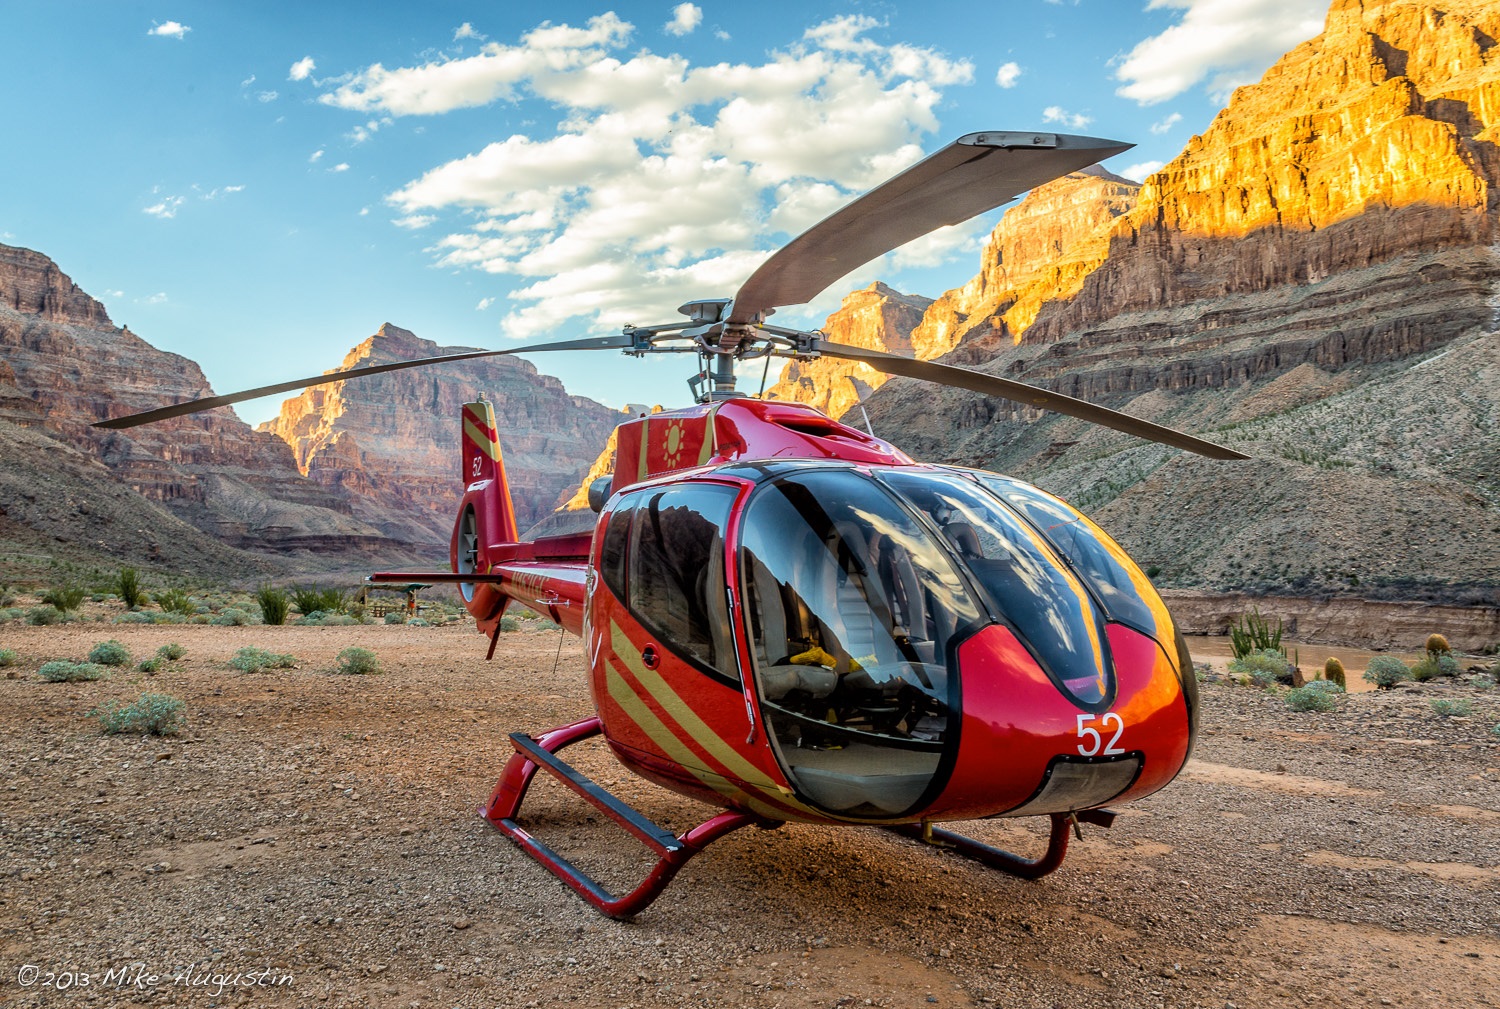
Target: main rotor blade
1020,392
619,342
975,173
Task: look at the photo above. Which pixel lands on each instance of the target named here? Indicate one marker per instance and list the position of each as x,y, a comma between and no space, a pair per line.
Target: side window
675,565
612,557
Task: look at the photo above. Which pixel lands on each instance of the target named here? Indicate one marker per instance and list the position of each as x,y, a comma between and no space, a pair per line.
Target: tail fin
484,473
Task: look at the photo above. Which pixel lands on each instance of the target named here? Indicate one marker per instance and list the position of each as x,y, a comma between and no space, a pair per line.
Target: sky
259,187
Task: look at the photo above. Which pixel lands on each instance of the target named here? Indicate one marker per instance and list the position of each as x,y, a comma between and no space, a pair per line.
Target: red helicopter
791,620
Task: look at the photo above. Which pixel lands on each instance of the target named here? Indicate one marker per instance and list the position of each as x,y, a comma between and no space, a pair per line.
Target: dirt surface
313,837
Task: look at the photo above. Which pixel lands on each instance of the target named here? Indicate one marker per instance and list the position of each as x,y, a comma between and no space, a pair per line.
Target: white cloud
1165,125
218,191
159,298
302,69
1008,74
665,180
466,31
165,209
1072,120
169,29
342,166
266,97
315,157
247,81
1142,171
685,17
1229,42
483,304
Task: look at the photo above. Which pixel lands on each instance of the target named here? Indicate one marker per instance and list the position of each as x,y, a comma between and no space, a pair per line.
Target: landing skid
995,858
674,851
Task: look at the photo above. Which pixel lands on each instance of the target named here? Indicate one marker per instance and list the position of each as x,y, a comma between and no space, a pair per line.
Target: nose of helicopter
1025,747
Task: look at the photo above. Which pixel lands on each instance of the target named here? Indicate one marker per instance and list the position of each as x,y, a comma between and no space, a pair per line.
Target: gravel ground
313,837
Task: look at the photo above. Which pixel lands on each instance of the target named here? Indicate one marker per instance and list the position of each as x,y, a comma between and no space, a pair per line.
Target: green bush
1448,707
510,624
253,660
273,603
61,671
232,616
1434,665
175,601
110,653
358,661
1319,695
1385,671
1253,633
7,657
151,715
310,599
44,616
395,617
133,618
128,587
65,597
1264,667
339,620
149,666
10,613
171,651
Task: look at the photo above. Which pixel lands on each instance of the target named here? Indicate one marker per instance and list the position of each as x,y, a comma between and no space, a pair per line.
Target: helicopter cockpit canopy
859,586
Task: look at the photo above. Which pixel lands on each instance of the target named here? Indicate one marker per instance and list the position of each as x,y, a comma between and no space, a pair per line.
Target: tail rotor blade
1030,395
209,402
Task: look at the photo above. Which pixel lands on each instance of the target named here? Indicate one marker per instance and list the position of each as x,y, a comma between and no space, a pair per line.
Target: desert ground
311,838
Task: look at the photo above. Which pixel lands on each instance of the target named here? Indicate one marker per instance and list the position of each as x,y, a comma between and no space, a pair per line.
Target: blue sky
259,186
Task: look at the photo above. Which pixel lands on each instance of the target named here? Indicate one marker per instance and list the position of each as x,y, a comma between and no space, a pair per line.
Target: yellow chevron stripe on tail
483,463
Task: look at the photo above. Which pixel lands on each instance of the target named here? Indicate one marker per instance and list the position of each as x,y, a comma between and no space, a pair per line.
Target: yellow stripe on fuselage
480,438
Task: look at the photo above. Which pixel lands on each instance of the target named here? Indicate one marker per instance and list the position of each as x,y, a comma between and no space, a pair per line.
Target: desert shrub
1319,695
7,597
171,651
128,587
313,619
44,616
65,597
1437,645
7,657
510,624
10,613
149,666
1448,707
133,618
395,617
358,661
1333,672
418,622
151,715
62,671
309,599
175,601
1433,666
232,616
1264,667
1385,671
273,604
110,653
253,660
1253,633
339,620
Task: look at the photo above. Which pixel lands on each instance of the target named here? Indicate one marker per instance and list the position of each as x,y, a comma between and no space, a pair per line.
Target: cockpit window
1107,568
663,554
851,607
1026,582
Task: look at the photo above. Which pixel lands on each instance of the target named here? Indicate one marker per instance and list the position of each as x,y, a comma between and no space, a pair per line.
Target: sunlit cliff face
1377,138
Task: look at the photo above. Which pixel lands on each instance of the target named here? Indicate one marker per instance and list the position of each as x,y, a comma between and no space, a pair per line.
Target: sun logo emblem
673,443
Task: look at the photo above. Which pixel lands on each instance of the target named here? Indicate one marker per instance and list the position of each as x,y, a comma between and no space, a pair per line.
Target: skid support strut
995,858
673,850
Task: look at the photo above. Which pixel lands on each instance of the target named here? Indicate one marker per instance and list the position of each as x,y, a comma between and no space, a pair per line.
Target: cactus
1333,671
1437,645
1253,634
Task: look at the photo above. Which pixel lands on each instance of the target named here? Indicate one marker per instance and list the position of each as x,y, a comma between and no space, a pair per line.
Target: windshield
1025,582
851,608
